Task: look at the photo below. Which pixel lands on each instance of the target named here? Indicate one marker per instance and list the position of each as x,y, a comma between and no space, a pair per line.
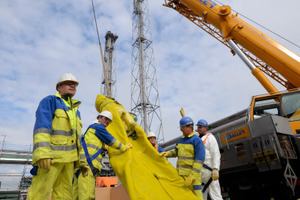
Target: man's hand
125,147
163,154
189,180
44,163
84,170
128,145
215,174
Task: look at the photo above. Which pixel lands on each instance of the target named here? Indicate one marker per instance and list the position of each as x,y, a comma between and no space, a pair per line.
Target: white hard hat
66,77
106,114
151,134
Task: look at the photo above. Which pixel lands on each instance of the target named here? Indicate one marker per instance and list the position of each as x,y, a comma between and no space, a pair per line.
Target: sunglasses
183,127
105,118
70,84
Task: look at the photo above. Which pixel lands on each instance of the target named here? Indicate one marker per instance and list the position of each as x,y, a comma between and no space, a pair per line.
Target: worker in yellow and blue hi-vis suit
55,142
92,148
191,154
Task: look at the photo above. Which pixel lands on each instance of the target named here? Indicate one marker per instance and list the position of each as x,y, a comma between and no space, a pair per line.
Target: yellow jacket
95,138
57,130
191,154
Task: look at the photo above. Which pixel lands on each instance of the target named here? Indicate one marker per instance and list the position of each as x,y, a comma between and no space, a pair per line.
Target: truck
260,146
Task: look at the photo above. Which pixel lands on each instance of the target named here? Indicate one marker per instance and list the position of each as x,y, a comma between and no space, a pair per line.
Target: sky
41,40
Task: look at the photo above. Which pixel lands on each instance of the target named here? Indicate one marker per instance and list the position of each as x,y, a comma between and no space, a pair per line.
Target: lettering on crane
208,2
235,135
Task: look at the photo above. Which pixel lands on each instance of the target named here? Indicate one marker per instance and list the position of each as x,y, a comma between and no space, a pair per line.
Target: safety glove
163,154
84,170
128,145
189,180
45,163
215,174
106,146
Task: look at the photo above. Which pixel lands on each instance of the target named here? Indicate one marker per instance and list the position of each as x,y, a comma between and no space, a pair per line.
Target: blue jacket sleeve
45,113
199,150
103,134
160,149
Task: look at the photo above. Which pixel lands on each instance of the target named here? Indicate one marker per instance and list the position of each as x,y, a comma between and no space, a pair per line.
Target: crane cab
285,104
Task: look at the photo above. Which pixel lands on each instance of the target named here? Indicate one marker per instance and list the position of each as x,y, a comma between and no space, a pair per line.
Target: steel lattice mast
110,71
144,90
109,59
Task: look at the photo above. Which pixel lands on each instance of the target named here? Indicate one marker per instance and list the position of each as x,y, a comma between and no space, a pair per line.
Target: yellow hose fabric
144,174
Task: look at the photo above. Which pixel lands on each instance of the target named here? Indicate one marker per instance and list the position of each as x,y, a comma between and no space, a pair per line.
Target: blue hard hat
186,121
202,122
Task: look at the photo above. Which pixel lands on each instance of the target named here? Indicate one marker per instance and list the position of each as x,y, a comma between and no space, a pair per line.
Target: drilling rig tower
145,101
109,59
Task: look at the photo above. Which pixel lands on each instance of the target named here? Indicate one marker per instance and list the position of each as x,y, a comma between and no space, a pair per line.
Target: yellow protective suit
144,174
84,187
56,132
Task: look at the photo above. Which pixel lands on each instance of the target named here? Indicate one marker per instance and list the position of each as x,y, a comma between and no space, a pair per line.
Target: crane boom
272,58
252,141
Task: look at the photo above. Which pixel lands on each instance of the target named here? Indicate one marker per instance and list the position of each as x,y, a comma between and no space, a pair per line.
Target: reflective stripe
188,167
93,146
98,159
185,158
196,170
102,102
82,156
61,132
64,148
199,161
120,145
41,144
184,166
112,142
107,103
197,187
55,132
41,130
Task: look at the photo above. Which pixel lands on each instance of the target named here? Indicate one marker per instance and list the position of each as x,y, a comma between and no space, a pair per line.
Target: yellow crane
269,56
260,146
